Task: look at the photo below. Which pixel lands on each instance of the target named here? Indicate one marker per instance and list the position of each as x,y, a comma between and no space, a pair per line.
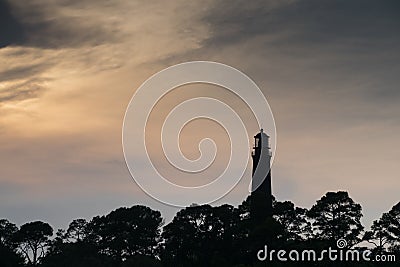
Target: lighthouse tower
261,195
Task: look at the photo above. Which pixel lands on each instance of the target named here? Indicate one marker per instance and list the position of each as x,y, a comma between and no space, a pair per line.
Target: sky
329,70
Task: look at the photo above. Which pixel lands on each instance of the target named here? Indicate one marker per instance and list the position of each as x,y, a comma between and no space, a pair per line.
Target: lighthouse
261,195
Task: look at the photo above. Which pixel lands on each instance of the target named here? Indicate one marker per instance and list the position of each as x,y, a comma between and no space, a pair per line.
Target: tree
393,229
126,232
9,256
56,244
33,238
77,230
385,232
336,216
378,236
202,236
78,254
66,251
294,221
7,233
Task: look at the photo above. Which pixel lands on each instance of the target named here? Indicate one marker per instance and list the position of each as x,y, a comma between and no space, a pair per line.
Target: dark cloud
306,21
347,44
11,30
42,25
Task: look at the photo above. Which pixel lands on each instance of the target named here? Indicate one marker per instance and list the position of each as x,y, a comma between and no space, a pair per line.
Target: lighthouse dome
262,139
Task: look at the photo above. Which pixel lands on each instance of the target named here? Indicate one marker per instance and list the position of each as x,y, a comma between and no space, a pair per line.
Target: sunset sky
68,68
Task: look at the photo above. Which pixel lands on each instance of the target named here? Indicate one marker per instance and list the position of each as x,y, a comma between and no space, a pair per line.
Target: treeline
199,236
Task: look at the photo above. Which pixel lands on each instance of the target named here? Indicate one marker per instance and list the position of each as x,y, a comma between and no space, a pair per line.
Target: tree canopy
33,238
336,216
199,235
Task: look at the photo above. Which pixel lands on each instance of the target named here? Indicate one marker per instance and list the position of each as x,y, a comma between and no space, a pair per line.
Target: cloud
21,72
47,24
11,31
329,71
23,75
309,22
357,37
70,39
30,88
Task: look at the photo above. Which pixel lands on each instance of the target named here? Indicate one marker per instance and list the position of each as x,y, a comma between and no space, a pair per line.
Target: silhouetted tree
68,248
294,220
126,232
337,216
9,256
65,252
7,233
202,236
378,235
77,230
197,236
33,239
385,232
79,254
55,245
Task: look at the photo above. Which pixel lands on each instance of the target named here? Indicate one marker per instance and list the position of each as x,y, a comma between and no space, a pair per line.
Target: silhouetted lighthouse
261,196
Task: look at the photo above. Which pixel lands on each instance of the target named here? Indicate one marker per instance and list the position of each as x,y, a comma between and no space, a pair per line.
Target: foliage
33,238
199,235
385,232
294,220
126,232
9,256
336,216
